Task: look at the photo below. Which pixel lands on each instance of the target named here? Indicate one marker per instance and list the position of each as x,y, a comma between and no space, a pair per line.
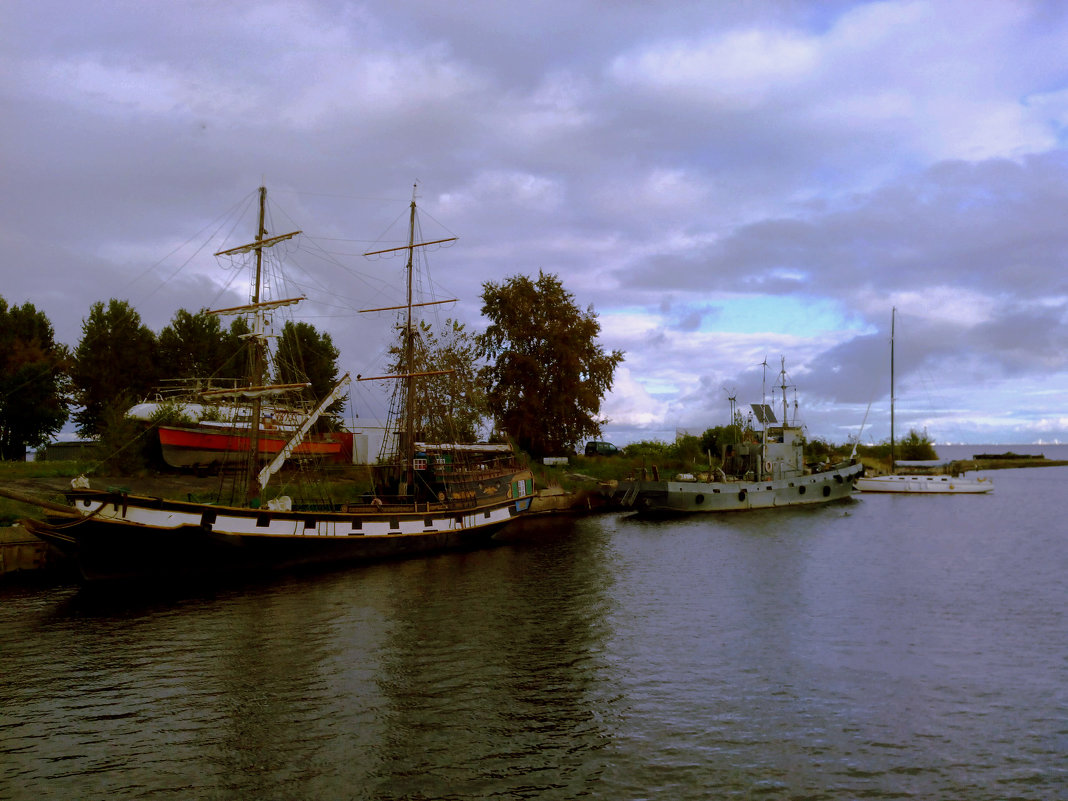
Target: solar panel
763,413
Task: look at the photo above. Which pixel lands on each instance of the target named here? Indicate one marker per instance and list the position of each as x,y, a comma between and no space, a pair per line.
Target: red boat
209,447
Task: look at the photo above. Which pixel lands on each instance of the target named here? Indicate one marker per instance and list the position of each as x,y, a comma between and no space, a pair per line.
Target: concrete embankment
22,554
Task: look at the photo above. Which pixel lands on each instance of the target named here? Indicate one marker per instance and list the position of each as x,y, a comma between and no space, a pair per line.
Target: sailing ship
435,497
768,471
213,434
924,477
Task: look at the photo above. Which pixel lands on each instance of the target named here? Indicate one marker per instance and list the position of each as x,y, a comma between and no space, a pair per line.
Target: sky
726,185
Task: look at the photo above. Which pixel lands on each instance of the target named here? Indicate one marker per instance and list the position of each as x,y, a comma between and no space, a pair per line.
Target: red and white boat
217,435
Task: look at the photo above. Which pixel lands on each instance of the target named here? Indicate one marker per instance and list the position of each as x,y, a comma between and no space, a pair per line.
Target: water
1056,451
888,647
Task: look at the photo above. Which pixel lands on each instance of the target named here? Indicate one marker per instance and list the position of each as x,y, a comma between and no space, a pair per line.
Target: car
601,449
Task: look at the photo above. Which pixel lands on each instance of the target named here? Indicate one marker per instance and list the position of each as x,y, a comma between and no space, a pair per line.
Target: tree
115,361
546,374
196,346
915,447
451,406
33,380
305,354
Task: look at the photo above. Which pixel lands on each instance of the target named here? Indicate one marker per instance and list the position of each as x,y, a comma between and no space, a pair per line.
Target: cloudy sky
725,183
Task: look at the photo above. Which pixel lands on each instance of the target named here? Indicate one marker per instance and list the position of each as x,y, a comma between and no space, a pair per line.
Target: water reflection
495,673
887,648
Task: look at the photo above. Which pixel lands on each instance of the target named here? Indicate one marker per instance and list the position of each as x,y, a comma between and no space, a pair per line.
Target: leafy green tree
449,406
915,447
33,380
116,360
196,346
715,438
546,375
305,354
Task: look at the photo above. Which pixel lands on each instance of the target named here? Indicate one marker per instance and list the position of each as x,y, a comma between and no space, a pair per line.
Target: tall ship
766,470
425,496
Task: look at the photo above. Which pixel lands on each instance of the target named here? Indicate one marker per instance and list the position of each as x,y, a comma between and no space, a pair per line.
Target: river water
884,647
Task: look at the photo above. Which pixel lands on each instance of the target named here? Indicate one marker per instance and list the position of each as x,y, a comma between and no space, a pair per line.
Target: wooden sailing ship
432,497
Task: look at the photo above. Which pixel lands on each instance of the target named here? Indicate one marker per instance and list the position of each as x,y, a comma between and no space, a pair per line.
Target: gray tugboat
767,472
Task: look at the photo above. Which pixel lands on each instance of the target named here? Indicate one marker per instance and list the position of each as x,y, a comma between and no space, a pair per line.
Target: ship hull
204,447
120,537
925,485
670,498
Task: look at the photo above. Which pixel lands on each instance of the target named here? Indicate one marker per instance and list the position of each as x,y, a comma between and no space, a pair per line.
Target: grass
11,511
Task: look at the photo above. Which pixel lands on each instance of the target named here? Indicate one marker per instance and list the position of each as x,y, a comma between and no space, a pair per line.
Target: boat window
394,522
263,520
357,525
309,523
428,522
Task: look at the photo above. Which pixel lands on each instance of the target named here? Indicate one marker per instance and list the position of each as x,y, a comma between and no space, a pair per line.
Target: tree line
536,372
120,360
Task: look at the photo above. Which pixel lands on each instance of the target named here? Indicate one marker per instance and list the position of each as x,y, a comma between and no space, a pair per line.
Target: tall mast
409,355
783,387
893,316
257,346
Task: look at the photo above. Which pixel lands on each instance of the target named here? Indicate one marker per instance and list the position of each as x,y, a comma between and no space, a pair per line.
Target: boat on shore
206,434
426,497
768,471
919,477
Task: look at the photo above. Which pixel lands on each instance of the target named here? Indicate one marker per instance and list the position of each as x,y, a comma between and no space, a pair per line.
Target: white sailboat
919,483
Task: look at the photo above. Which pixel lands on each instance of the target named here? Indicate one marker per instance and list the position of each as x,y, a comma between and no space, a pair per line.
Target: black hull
116,552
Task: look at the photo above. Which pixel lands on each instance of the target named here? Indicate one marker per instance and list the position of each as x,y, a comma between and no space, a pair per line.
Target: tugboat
767,472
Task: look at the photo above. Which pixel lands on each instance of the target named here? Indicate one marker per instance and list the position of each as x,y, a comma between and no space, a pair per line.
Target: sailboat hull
924,485
115,536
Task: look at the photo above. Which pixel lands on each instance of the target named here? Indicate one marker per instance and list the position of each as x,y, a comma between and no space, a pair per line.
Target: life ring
767,466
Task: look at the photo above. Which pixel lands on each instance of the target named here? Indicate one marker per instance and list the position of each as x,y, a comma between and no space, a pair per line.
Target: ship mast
256,345
409,358
408,373
893,317
257,340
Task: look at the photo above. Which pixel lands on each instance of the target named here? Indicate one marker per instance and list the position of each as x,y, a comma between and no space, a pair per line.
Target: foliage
305,354
713,440
33,380
546,375
450,406
171,413
116,357
915,447
196,346
648,448
125,447
684,450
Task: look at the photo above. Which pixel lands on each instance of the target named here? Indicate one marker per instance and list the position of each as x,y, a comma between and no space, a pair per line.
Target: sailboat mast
893,317
256,344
